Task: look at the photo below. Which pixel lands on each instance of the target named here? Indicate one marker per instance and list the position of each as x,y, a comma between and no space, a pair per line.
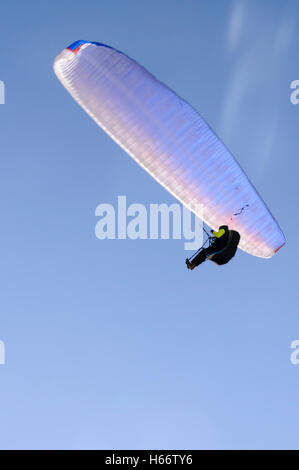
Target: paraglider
222,248
172,142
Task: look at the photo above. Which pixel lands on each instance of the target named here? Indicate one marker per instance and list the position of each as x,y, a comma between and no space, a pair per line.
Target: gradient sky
114,344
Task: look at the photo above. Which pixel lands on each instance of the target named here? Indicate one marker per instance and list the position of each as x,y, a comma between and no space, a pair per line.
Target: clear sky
114,344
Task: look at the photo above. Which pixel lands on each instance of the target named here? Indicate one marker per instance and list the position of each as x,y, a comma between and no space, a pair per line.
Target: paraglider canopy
170,140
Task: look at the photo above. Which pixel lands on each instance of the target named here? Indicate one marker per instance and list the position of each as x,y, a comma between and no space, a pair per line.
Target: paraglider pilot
221,250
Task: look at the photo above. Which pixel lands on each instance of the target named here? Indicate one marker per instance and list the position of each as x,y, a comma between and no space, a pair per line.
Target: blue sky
114,344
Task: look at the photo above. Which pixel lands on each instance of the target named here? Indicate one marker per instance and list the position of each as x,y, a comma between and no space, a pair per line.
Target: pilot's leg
199,258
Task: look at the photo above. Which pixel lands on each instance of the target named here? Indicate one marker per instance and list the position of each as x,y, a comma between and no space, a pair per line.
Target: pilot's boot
189,265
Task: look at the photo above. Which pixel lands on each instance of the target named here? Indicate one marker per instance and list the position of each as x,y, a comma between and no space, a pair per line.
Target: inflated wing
169,139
